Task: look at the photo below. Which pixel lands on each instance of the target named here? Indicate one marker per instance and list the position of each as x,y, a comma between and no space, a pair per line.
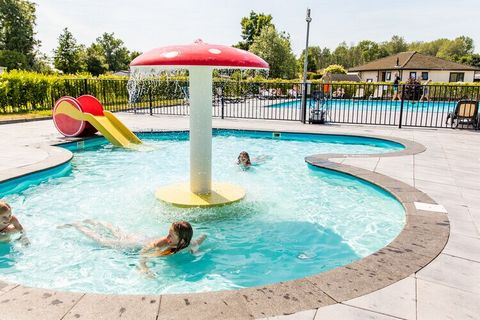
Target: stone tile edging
422,239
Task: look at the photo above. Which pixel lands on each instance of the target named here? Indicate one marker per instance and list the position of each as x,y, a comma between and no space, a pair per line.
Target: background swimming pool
295,221
373,105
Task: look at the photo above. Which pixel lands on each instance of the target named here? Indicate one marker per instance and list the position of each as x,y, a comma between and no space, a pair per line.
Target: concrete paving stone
415,249
352,281
24,303
436,178
210,305
436,301
367,164
5,287
398,299
343,312
284,298
302,315
110,307
429,187
463,247
464,227
453,272
394,263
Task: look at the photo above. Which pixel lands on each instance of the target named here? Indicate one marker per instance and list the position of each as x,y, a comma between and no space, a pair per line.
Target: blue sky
147,24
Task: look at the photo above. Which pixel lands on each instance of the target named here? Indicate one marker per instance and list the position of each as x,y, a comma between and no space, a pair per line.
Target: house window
457,76
424,75
413,75
388,76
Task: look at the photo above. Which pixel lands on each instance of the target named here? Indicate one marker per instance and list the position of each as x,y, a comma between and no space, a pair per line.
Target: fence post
222,100
85,86
150,100
401,106
303,110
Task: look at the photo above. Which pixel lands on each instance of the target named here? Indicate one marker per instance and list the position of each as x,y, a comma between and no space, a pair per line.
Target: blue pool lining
19,183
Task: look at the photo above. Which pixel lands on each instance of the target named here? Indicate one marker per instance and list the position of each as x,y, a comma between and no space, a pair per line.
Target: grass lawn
28,115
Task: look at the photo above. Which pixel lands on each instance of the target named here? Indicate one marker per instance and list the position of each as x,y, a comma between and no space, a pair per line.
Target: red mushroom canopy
200,53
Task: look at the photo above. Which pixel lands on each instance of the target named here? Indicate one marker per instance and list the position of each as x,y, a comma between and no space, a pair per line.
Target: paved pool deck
448,287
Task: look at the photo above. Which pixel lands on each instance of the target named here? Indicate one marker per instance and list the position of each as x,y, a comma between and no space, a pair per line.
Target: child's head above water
180,235
244,158
5,214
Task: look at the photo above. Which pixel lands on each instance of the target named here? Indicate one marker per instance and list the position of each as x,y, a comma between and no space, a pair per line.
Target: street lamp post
305,64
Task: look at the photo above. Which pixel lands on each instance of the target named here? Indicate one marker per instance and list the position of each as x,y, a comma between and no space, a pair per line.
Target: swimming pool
296,220
373,105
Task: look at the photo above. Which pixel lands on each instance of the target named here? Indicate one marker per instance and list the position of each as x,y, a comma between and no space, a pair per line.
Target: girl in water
244,160
178,238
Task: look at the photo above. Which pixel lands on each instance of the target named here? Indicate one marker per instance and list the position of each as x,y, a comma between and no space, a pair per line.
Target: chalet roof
412,60
340,77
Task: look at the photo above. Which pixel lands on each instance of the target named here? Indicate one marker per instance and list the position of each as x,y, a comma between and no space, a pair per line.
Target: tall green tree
275,48
456,49
17,22
396,45
313,59
95,60
252,27
69,56
370,50
116,54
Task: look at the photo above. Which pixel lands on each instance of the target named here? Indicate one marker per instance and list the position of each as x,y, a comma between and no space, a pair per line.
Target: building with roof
412,64
3,69
333,77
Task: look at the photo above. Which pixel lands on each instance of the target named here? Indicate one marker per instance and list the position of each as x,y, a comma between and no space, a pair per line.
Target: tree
252,27
116,54
95,60
396,45
313,58
17,21
335,69
370,51
68,56
134,54
12,59
275,48
456,49
341,55
41,63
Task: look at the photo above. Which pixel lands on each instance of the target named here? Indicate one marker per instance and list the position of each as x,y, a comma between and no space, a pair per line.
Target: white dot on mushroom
171,54
214,51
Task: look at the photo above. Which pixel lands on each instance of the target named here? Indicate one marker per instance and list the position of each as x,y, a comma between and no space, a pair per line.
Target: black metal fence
376,104
354,103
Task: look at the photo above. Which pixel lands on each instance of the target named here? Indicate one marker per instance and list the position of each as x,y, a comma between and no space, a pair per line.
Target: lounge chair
378,93
466,112
359,93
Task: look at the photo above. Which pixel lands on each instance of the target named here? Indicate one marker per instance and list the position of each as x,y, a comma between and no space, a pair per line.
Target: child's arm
23,239
197,242
16,224
144,254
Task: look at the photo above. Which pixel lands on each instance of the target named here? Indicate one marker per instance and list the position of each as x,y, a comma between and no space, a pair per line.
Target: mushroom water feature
199,59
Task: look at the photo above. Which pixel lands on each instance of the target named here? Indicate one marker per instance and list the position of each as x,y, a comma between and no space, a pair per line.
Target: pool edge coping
420,241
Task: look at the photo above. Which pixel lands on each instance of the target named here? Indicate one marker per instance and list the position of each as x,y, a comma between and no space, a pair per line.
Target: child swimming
178,238
9,225
244,160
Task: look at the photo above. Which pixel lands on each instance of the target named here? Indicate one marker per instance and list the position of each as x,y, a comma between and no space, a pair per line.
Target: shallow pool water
295,221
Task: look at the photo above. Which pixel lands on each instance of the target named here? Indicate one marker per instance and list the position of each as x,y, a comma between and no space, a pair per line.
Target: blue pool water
374,105
295,221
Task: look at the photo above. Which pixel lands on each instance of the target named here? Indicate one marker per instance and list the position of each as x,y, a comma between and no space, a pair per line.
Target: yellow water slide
108,125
